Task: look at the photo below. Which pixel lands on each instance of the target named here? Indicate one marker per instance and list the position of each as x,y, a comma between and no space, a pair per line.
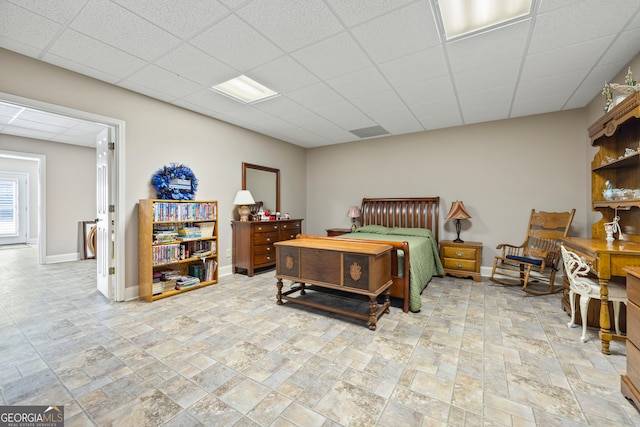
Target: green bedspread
424,261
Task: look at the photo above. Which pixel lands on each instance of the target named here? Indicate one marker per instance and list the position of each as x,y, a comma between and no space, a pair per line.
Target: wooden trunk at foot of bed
400,284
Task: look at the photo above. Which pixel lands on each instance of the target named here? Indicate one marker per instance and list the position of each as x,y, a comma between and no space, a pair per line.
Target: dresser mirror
264,184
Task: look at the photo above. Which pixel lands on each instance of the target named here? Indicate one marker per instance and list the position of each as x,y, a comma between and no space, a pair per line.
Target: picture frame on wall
89,238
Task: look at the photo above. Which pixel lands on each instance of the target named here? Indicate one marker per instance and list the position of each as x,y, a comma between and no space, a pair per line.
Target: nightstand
461,259
333,232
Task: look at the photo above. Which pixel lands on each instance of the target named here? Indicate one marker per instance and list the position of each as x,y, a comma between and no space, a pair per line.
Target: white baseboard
53,259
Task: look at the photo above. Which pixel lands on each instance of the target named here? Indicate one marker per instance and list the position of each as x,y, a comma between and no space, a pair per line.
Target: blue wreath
164,182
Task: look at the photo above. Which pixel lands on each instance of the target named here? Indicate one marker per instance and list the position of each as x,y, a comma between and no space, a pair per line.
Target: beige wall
158,134
500,170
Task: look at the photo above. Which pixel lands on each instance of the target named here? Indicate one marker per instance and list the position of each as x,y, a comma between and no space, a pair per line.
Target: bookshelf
177,246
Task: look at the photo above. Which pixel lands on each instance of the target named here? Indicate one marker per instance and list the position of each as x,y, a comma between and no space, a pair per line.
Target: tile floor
226,355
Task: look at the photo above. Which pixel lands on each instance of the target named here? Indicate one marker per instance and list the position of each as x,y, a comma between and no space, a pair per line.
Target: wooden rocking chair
533,264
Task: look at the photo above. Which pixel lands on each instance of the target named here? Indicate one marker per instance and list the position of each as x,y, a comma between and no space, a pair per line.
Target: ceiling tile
182,18
628,41
542,104
58,11
354,12
26,27
333,57
579,22
417,67
315,96
283,75
560,61
81,68
486,112
197,66
345,115
433,90
116,26
278,106
487,77
502,96
397,121
379,101
89,52
402,32
438,114
171,84
291,24
359,83
235,43
566,83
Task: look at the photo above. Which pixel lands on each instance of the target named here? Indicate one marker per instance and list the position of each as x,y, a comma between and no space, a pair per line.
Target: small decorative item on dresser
353,213
458,212
243,198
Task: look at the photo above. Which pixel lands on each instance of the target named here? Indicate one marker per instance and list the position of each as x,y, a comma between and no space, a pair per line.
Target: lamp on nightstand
243,198
353,213
458,212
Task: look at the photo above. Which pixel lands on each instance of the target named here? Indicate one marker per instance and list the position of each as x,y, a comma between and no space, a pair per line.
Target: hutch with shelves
614,133
177,246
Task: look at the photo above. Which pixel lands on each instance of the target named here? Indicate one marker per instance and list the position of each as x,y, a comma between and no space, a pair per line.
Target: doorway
117,274
14,208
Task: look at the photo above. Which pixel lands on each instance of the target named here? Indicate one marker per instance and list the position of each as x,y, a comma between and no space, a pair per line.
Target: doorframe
24,206
118,169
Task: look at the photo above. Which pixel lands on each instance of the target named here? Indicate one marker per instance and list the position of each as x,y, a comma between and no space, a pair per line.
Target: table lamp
353,213
458,212
243,198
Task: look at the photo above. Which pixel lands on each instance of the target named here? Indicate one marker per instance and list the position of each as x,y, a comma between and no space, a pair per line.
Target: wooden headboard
413,212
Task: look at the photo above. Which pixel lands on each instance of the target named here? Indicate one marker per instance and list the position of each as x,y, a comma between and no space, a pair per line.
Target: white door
13,208
105,220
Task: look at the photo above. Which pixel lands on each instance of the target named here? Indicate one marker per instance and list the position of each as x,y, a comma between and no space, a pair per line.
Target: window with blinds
8,208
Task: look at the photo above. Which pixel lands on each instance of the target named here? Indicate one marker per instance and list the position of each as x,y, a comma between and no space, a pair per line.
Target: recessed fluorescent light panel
245,89
464,17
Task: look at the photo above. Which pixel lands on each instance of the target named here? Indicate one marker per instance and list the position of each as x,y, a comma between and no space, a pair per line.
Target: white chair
576,270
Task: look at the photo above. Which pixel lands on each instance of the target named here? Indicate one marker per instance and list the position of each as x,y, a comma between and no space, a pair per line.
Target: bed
410,225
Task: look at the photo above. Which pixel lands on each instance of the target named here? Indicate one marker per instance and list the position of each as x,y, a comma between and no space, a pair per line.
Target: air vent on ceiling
369,132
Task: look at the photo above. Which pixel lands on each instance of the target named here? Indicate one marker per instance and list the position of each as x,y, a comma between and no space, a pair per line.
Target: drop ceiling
342,67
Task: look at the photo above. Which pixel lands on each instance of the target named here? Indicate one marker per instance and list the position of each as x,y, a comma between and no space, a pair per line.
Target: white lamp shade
243,197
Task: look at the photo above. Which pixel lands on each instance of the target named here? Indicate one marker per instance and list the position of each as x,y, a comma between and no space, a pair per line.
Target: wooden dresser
630,382
253,242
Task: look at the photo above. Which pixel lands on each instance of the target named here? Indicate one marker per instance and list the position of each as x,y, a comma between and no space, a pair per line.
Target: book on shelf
201,253
197,270
189,233
186,281
189,211
210,266
206,228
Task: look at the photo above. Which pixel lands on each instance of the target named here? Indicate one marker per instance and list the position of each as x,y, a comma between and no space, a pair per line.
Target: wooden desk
348,266
606,260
